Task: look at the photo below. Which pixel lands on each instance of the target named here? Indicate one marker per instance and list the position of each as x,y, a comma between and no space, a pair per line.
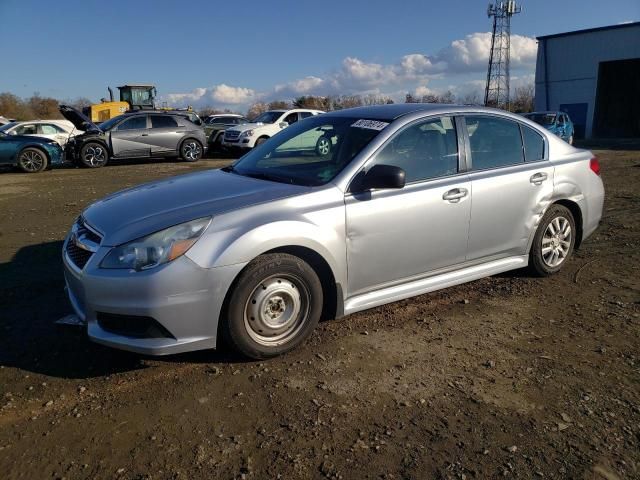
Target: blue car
30,154
556,122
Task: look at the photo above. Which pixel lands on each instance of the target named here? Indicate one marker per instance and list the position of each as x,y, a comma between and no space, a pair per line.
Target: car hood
79,119
139,211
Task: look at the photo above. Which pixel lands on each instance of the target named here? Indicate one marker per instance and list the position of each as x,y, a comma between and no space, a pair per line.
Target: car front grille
82,243
231,135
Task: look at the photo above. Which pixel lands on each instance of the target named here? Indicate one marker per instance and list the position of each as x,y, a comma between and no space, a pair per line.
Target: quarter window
133,123
163,121
426,150
495,142
533,144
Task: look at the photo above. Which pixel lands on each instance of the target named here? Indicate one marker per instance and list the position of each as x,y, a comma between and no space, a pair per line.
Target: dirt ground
510,376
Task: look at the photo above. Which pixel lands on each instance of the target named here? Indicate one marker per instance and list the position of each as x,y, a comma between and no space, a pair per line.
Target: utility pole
497,90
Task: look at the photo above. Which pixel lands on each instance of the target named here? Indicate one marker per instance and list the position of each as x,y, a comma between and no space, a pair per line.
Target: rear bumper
180,301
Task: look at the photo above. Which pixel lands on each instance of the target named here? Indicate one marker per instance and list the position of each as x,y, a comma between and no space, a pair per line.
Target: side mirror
284,124
383,176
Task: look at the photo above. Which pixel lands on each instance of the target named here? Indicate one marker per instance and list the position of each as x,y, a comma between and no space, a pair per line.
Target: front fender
233,246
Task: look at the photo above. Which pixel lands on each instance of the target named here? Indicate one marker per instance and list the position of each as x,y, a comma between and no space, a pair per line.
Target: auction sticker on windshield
370,124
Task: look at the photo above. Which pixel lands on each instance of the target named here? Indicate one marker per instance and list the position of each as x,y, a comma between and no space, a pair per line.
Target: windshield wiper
268,176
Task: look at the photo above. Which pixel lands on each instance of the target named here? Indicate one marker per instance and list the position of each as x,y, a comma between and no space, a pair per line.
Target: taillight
594,165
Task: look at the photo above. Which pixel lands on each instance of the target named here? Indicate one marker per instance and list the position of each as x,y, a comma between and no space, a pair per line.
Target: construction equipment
497,91
132,97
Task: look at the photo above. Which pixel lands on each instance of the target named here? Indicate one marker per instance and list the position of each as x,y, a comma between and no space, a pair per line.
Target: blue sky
234,53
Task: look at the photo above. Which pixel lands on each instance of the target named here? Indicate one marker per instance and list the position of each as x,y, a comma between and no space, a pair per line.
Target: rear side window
49,129
533,144
133,123
426,150
495,142
306,114
163,121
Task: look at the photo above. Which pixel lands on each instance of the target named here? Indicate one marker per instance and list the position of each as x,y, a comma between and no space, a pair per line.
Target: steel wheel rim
323,146
192,150
94,156
276,310
556,241
32,161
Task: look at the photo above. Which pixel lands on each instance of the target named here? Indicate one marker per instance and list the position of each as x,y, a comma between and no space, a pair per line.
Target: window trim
461,151
508,119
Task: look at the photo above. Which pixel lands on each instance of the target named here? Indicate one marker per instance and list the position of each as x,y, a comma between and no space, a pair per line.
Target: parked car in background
265,126
58,130
556,122
4,120
405,203
138,134
215,126
29,153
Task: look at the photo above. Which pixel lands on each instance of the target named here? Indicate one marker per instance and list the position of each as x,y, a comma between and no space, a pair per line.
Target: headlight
157,248
247,133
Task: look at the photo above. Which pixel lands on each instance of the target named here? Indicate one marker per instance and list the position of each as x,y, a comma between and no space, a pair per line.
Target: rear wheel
94,155
191,150
32,160
554,241
274,307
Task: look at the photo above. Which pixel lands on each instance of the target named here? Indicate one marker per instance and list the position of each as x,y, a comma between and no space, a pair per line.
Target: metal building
594,76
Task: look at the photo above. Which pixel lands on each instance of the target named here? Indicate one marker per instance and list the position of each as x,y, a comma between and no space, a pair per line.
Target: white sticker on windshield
370,124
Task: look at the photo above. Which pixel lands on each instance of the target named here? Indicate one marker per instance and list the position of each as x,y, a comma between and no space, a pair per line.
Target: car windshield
109,124
268,117
542,118
8,126
309,153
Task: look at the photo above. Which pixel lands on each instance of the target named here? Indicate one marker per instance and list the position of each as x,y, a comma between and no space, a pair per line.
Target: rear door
511,183
130,138
164,135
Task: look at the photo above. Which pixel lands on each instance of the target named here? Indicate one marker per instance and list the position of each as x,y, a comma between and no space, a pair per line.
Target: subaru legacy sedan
410,199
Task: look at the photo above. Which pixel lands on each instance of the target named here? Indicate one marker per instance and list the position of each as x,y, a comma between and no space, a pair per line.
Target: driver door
128,138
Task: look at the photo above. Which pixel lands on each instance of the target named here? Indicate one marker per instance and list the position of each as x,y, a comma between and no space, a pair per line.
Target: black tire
323,146
191,150
261,140
552,234
275,304
32,160
93,155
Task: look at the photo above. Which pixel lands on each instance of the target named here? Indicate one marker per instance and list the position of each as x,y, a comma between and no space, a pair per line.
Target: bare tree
522,101
257,109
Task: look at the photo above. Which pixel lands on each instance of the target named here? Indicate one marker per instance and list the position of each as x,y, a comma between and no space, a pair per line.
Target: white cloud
460,59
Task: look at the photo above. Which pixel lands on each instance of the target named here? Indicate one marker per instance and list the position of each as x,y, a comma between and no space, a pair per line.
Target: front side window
533,144
495,142
49,129
163,121
291,118
305,114
426,150
309,153
134,123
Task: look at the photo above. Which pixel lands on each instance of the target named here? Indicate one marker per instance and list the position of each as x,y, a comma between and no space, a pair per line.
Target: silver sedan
400,201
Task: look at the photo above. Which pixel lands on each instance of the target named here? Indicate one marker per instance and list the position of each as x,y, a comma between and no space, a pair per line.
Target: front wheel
191,150
553,242
323,146
32,160
94,155
274,307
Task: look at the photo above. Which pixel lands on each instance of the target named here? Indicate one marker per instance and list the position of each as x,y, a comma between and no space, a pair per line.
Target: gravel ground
507,376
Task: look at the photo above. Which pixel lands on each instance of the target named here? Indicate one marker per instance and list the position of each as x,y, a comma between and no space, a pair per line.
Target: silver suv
408,199
138,134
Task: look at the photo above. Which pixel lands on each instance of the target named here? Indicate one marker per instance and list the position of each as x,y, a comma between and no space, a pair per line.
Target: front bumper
181,300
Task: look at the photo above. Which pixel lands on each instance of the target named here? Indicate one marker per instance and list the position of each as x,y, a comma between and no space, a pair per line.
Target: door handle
538,178
144,135
454,195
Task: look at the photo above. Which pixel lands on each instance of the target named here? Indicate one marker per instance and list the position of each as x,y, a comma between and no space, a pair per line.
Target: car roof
224,115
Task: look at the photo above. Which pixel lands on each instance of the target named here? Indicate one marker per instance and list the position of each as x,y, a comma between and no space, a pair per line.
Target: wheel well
190,138
574,208
35,147
330,290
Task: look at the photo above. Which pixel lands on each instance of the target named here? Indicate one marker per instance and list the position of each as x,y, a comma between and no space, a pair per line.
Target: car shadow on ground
32,298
